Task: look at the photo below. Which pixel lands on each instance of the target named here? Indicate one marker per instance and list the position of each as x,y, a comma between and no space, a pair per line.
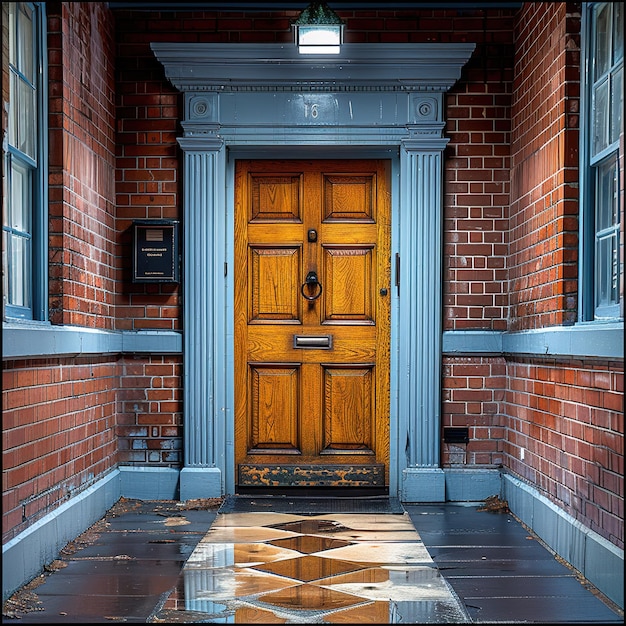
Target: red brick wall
544,167
149,415
568,417
82,164
58,433
472,394
476,184
59,414
149,165
65,419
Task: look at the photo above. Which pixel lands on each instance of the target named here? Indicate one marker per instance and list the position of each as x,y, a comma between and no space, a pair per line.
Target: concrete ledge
423,484
24,556
598,560
471,485
599,340
464,342
149,483
38,340
152,341
200,482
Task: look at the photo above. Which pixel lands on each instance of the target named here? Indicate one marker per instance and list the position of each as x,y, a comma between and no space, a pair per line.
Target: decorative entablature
386,88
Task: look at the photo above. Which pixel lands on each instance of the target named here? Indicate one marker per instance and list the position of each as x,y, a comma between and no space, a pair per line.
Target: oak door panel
273,396
312,358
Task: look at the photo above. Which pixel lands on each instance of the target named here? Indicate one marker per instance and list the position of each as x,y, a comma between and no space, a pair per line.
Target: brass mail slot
323,342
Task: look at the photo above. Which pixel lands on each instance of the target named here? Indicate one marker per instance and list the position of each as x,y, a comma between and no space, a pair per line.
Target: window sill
31,340
584,340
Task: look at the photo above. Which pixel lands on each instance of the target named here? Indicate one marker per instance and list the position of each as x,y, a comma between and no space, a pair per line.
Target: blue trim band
37,340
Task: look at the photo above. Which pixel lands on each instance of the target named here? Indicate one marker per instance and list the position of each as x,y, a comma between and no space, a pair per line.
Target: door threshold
313,492
311,504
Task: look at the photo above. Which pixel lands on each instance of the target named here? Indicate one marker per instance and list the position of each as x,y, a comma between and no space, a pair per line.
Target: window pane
12,43
607,276
617,105
602,212
618,31
600,116
20,203
27,121
607,230
603,41
19,288
5,257
24,164
602,273
606,196
22,117
25,43
13,90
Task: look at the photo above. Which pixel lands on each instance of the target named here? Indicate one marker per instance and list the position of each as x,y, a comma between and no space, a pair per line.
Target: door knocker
311,281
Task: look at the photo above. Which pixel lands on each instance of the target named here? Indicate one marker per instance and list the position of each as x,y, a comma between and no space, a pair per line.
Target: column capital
205,141
421,140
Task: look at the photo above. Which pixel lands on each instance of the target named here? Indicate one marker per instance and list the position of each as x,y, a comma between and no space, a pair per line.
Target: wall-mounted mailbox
155,251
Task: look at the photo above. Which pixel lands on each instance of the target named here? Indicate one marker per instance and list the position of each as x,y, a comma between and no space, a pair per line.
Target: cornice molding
278,67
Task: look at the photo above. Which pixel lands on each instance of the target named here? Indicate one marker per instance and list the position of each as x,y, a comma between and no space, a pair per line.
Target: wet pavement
293,560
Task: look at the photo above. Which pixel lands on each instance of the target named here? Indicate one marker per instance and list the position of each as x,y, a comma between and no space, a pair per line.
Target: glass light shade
319,39
318,30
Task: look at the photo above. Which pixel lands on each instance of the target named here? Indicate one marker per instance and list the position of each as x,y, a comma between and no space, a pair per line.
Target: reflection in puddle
312,526
308,544
311,597
308,568
303,579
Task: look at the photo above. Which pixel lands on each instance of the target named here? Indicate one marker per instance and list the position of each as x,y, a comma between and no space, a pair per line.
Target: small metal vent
456,435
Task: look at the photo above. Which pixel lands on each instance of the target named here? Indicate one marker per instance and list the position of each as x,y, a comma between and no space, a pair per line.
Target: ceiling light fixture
318,30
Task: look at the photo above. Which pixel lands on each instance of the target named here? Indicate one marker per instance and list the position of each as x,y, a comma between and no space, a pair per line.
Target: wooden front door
312,323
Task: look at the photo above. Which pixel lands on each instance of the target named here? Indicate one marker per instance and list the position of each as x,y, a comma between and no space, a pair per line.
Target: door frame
387,186
254,101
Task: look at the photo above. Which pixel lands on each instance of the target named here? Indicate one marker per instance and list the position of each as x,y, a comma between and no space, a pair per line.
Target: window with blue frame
602,164
24,214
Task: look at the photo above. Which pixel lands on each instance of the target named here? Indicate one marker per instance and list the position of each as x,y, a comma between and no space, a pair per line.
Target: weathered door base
271,476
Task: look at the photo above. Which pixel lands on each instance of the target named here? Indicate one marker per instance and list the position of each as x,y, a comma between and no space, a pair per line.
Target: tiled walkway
332,569
291,561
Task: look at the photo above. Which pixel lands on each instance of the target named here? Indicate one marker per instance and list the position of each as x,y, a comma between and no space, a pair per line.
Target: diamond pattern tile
307,544
310,597
278,568
308,568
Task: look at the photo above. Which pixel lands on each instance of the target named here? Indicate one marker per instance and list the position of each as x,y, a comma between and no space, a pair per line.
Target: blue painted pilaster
420,324
203,285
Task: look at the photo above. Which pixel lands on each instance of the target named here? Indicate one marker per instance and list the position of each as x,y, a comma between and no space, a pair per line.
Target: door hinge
398,272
